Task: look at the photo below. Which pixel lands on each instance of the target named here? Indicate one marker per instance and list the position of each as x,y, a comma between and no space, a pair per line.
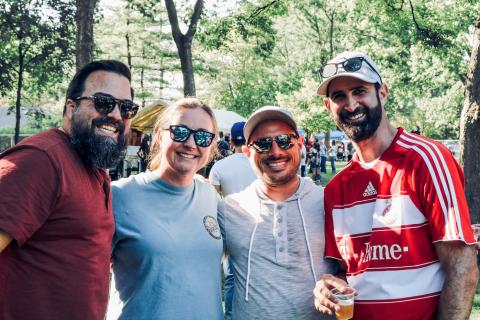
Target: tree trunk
185,53
84,20
142,75
184,43
330,33
18,102
470,130
129,53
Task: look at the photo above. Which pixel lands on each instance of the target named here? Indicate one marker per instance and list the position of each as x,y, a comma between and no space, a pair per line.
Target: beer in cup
345,301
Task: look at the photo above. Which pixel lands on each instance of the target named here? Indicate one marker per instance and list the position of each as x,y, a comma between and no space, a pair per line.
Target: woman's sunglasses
181,133
349,65
264,145
105,103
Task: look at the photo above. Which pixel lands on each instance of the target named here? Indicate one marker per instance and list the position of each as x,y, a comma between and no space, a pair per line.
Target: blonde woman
167,245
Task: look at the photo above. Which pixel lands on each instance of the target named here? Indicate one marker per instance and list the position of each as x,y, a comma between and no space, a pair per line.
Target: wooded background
241,55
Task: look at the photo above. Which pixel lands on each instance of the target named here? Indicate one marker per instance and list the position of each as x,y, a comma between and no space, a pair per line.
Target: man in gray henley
273,231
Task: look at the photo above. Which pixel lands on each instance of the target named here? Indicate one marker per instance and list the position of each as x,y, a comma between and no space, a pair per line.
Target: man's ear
246,150
326,103
383,94
70,106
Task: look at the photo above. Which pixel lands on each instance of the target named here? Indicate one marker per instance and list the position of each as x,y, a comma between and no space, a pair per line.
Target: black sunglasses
105,103
264,145
181,133
349,65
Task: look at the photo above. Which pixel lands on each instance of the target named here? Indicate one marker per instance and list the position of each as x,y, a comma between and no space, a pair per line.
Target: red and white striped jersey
382,219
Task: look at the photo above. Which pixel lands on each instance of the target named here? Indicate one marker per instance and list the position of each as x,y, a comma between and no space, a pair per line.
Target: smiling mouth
357,117
107,128
280,164
186,155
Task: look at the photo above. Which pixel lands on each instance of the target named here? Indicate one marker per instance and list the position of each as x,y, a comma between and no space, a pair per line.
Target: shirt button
279,220
280,234
281,249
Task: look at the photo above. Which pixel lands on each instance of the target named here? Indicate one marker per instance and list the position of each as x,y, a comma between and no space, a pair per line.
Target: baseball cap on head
268,113
348,64
237,132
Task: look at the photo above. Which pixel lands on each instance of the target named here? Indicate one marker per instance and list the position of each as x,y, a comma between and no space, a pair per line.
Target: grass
326,177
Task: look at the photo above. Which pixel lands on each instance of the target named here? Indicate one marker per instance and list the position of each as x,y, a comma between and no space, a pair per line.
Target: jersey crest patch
388,216
211,226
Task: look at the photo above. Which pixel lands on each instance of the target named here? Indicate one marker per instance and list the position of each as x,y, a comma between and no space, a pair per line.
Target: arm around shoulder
461,276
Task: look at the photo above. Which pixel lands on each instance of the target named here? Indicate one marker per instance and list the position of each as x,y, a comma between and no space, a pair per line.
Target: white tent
226,119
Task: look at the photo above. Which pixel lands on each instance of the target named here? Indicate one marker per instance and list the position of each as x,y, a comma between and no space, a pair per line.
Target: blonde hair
164,120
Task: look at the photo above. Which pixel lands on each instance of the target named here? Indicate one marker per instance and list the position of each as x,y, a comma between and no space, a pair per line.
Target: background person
323,156
273,230
350,151
303,158
396,216
56,222
143,153
231,175
341,151
332,155
167,245
315,162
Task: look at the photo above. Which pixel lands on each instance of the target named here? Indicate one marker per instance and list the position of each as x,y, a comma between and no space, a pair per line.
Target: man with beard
273,229
56,222
396,216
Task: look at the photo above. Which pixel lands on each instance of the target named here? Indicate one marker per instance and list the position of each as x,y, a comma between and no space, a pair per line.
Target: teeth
108,128
277,164
357,116
188,156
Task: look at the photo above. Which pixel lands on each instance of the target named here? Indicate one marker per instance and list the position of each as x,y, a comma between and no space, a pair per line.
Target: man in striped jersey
396,216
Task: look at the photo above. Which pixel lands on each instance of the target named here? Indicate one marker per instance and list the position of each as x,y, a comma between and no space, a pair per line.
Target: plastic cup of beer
345,301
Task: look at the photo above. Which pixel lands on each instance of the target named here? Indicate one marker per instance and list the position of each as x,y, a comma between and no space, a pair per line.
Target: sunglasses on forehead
181,133
264,145
349,65
105,103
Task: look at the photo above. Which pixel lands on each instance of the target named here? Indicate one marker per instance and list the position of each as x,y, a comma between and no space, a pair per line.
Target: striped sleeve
439,186
331,248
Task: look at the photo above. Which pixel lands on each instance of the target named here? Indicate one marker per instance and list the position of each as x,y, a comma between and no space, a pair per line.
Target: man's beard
95,149
360,130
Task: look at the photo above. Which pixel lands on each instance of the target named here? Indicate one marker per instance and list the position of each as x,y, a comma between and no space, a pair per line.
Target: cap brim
322,89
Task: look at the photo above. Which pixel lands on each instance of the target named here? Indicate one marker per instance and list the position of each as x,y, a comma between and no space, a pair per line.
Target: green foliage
254,23
266,52
248,89
308,109
420,47
138,35
38,119
37,48
37,34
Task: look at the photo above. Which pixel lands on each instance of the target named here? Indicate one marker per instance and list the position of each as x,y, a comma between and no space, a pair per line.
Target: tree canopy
267,52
